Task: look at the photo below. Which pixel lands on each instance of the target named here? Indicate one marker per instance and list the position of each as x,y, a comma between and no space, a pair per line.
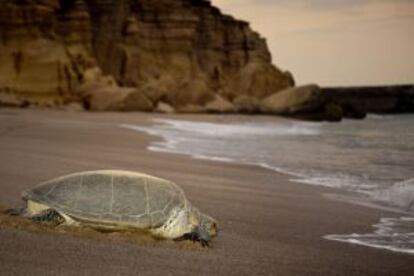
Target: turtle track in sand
137,237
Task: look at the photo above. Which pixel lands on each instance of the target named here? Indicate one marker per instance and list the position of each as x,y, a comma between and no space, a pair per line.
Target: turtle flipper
196,236
48,215
15,211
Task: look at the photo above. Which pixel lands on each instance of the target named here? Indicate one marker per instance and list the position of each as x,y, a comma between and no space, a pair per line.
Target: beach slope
268,225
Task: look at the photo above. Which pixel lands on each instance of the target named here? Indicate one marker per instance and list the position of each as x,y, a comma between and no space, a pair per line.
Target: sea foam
393,234
372,158
400,194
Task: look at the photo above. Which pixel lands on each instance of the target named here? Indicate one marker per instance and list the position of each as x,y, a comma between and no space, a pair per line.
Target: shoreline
264,228
390,232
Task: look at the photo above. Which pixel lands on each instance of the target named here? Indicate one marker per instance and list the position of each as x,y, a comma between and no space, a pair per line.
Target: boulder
192,108
135,101
72,107
98,97
301,99
220,105
246,104
164,108
191,92
160,89
11,100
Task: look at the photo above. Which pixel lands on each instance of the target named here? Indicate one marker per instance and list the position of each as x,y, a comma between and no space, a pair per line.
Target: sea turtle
116,200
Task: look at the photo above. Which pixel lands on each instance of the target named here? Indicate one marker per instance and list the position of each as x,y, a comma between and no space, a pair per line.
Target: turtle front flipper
197,235
48,215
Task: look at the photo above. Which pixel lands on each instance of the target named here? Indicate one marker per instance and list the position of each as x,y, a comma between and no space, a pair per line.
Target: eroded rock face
181,52
44,49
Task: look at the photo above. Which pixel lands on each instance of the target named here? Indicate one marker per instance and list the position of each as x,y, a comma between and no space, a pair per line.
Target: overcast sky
335,42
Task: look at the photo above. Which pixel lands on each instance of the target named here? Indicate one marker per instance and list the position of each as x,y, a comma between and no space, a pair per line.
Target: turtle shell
111,198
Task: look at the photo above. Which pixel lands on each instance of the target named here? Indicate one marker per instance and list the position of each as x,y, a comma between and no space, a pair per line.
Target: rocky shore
169,56
356,102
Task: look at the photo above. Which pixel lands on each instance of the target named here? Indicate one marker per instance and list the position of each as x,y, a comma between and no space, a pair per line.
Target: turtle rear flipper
15,211
48,215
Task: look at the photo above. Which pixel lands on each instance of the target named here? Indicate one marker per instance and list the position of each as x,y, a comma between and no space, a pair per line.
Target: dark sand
268,226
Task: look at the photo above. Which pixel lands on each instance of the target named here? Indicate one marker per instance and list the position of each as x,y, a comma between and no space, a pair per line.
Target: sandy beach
267,225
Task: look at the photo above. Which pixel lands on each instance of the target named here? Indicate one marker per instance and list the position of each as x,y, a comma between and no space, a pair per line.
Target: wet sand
268,225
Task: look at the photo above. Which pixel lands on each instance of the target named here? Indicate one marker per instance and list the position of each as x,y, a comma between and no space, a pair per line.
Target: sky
335,42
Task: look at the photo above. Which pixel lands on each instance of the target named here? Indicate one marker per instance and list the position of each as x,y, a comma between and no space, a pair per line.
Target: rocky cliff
184,53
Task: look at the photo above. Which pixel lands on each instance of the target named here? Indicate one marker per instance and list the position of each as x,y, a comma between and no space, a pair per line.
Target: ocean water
373,159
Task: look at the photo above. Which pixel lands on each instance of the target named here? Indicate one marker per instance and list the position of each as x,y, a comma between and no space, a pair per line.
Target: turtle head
208,224
203,222
202,227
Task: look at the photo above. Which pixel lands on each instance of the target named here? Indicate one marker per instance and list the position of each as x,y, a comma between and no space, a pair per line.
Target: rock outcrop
294,100
113,98
247,104
306,102
356,102
184,53
220,105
